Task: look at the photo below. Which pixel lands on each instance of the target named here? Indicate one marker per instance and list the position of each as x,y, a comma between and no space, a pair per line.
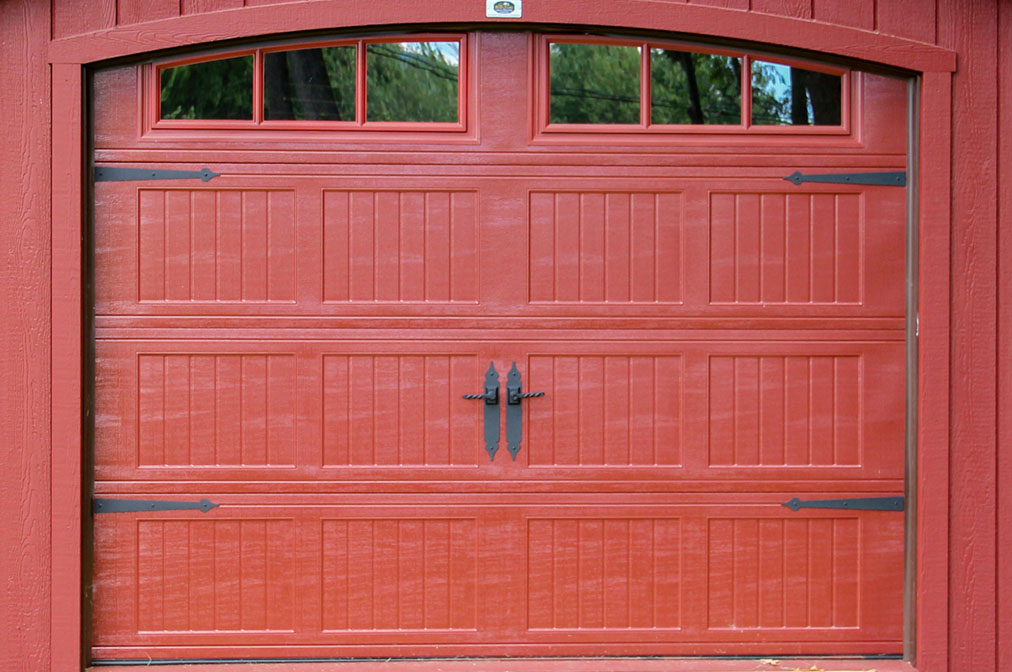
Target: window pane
689,88
412,81
786,96
313,84
594,84
220,89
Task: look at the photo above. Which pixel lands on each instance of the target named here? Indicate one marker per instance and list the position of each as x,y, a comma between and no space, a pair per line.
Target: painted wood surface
759,400
1003,335
25,345
26,325
969,27
790,21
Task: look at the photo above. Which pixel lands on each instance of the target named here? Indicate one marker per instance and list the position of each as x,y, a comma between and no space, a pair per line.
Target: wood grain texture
914,19
1004,517
24,312
970,28
25,344
66,378
71,18
855,14
932,604
801,9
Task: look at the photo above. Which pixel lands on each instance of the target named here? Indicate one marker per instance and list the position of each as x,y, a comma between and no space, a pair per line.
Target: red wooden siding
27,613
914,20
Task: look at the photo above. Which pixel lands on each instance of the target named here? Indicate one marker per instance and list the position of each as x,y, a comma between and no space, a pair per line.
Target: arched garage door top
170,33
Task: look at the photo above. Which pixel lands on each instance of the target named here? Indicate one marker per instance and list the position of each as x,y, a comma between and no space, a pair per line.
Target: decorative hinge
884,179
105,505
852,503
115,174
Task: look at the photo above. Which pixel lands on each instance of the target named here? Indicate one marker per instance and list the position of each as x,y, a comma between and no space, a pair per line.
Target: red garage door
293,340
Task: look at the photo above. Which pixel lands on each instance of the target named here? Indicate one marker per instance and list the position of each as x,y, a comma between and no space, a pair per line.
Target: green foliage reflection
221,89
412,81
693,88
310,84
594,84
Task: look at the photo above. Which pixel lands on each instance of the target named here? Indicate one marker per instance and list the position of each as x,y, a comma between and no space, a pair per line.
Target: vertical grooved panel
794,410
399,574
215,575
605,247
400,246
786,248
766,573
399,410
604,573
614,410
206,245
216,410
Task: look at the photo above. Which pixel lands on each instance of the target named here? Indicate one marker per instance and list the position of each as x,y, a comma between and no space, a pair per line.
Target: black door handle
514,411
491,397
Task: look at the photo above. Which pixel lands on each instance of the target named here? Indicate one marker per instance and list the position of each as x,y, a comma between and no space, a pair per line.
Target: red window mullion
746,91
645,92
360,80
258,87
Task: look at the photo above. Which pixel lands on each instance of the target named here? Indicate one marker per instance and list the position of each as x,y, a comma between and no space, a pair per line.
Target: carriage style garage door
398,220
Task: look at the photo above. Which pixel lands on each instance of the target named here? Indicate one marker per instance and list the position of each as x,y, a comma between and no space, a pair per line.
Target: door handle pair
514,413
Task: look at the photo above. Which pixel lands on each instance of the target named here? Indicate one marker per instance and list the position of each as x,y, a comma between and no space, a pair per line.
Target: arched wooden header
717,22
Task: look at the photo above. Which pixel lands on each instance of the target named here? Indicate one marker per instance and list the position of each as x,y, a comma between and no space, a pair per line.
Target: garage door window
372,84
218,89
606,85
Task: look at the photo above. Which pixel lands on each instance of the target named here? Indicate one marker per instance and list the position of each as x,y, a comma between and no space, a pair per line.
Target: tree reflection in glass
412,81
310,84
594,84
221,89
694,88
787,96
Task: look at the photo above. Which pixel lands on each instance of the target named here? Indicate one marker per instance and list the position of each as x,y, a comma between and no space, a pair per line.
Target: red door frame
930,167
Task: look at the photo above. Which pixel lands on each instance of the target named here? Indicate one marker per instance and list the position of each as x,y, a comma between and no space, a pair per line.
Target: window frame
152,75
850,81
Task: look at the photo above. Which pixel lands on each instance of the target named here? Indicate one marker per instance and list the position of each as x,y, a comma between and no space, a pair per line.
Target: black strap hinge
116,174
107,505
883,179
851,503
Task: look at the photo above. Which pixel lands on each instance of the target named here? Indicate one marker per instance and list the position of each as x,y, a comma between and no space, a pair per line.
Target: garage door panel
338,573
252,247
604,574
696,573
781,410
774,578
613,247
745,571
261,410
400,246
606,410
804,251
